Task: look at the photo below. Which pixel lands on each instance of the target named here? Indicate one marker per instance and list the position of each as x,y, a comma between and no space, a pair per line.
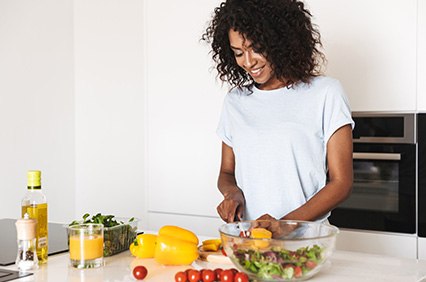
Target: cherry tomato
227,276
208,275
194,275
234,270
298,272
311,264
181,277
241,277
217,272
140,272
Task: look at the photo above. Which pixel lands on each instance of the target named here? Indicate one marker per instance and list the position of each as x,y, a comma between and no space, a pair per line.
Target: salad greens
279,262
106,220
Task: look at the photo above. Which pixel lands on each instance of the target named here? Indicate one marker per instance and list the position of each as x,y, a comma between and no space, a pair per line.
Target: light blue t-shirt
279,138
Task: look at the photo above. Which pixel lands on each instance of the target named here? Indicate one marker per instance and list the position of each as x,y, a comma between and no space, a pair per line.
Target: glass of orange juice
86,245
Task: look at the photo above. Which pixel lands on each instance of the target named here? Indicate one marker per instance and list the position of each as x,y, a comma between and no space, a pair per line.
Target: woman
283,126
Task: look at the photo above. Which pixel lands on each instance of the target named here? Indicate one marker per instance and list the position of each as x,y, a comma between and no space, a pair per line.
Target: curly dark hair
281,30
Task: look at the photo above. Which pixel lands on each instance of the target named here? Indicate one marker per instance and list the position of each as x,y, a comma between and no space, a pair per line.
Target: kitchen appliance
421,182
384,188
8,275
58,240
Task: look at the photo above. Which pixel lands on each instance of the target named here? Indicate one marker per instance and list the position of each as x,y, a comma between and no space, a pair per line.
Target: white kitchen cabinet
421,248
183,106
37,104
371,49
421,57
383,243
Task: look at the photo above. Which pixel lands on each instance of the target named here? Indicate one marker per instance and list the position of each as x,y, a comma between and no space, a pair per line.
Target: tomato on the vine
227,276
140,272
241,277
181,277
211,275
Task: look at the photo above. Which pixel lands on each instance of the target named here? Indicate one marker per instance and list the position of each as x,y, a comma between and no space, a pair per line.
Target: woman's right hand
232,207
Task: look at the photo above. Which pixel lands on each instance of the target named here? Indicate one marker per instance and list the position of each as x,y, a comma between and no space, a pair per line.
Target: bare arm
233,203
339,159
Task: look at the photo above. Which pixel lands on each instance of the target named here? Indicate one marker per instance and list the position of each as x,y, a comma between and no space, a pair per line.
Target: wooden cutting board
213,256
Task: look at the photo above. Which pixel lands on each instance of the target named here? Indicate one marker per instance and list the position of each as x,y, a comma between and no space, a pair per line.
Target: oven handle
377,156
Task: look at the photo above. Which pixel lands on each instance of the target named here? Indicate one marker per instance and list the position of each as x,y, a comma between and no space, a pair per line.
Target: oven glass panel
375,186
379,127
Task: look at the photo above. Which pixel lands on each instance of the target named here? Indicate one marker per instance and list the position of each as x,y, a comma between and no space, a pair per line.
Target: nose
249,61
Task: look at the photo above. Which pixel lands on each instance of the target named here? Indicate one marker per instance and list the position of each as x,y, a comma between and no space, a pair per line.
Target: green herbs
118,234
279,262
106,220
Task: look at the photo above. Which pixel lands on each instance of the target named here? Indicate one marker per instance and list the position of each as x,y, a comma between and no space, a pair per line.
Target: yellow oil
39,212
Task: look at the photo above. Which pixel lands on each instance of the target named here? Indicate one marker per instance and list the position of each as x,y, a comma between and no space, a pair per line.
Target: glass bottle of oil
35,205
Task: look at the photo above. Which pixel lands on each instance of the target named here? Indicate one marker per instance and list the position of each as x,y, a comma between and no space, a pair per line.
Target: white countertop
343,266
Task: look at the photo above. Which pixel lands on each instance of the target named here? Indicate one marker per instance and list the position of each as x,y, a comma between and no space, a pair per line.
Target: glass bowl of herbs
119,232
278,250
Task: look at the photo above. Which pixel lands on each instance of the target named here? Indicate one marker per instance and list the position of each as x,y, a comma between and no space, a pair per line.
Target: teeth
256,71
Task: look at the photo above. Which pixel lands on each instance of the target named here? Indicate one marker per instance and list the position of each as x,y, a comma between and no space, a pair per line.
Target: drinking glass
86,245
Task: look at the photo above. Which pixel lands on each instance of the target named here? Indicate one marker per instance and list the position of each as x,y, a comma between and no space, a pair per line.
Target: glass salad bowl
284,250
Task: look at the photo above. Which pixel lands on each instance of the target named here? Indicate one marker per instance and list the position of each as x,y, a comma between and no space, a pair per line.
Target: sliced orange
261,233
210,247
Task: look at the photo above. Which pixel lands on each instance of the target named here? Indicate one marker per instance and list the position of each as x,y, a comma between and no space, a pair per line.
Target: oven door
383,194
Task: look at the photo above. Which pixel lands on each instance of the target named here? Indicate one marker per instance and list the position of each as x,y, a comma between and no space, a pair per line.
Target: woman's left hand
272,224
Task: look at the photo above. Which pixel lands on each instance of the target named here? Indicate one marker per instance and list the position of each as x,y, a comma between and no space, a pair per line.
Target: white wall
72,105
37,103
109,110
371,49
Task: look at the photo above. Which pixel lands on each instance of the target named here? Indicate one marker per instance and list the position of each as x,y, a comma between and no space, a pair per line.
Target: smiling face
255,64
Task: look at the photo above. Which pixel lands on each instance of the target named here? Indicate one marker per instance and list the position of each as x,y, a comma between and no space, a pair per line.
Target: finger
240,213
263,224
221,213
231,217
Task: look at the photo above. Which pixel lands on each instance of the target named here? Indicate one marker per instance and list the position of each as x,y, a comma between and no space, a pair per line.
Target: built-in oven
383,197
421,129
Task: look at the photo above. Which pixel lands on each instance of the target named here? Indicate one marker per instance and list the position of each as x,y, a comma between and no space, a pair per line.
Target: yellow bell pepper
179,232
176,246
143,246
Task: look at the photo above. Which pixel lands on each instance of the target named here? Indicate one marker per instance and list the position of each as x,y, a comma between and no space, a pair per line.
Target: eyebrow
237,48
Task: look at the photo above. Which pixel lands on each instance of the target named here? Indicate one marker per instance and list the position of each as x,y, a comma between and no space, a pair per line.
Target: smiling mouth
255,71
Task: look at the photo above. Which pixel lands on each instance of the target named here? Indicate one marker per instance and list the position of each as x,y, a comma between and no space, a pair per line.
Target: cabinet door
403,245
183,107
371,48
421,248
421,54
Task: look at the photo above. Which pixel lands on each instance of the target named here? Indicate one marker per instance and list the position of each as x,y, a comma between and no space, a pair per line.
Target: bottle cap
26,228
34,178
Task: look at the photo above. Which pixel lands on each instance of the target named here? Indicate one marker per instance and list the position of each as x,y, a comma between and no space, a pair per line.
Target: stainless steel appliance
384,189
421,182
58,241
422,175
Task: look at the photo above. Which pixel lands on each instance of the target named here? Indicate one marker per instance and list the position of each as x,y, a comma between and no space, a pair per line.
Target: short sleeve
337,112
224,127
